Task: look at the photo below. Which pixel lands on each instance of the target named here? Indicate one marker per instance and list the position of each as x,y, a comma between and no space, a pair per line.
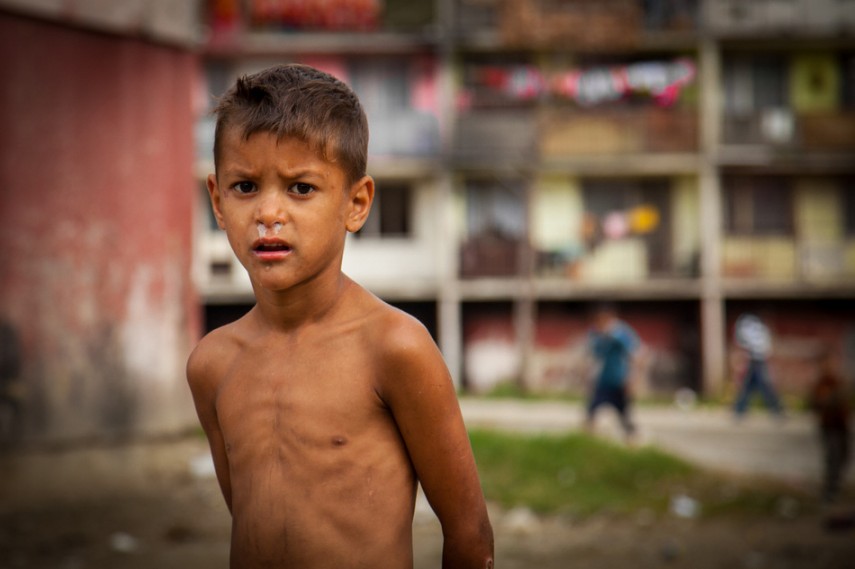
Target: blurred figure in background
614,344
10,367
829,400
753,338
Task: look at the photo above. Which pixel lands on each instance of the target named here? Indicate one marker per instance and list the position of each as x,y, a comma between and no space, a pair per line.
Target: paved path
712,438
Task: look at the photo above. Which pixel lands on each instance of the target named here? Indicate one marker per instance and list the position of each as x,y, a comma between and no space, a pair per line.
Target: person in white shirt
753,336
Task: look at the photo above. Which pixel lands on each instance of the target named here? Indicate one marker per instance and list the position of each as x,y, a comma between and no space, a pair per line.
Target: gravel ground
156,505
187,527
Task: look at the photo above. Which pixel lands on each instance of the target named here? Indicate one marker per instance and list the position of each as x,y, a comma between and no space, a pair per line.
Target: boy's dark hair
302,102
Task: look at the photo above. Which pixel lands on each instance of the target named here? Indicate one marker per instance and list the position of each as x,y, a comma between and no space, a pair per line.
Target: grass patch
580,475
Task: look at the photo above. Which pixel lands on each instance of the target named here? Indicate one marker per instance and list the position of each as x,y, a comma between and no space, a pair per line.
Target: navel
339,441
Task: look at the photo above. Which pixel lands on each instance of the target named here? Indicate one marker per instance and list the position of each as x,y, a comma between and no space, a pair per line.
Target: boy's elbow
469,546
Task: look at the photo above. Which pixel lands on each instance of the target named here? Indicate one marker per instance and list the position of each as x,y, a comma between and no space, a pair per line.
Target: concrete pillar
713,339
450,326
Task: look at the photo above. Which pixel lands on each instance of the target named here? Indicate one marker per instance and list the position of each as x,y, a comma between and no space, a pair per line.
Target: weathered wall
96,197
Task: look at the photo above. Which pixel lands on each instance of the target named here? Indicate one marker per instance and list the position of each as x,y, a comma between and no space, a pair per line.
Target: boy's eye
244,187
302,189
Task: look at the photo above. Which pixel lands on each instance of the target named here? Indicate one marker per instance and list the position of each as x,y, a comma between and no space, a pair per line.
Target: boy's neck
303,304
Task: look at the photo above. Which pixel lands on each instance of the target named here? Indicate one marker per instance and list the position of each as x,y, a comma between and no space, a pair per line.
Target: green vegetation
579,475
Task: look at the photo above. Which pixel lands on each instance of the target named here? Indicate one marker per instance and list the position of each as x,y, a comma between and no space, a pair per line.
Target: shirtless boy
323,406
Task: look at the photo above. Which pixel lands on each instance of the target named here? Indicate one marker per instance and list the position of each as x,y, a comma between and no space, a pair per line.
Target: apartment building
689,160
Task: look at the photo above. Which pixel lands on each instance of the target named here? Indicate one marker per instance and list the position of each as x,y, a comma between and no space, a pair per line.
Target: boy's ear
361,198
215,196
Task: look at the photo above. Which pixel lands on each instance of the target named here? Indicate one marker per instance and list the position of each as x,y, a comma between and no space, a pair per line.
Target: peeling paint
100,296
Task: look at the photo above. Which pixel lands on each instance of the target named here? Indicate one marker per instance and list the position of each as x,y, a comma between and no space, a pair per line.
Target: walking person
753,337
829,401
614,344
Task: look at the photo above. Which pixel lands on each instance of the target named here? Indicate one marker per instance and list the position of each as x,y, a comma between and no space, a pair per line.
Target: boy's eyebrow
237,171
302,173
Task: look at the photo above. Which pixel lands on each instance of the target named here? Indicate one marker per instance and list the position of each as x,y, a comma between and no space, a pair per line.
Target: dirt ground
155,505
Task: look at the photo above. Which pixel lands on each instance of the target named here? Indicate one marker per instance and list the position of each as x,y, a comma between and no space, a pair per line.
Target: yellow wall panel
817,210
557,210
814,83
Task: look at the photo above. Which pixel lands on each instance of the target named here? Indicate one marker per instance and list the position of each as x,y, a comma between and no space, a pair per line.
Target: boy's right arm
203,385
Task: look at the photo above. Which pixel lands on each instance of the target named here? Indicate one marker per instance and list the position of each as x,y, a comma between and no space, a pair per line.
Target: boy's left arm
420,394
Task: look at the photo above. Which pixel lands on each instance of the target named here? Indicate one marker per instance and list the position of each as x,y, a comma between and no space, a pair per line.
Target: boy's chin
269,280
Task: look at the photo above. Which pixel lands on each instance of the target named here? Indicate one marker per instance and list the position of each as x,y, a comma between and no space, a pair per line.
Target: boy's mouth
270,249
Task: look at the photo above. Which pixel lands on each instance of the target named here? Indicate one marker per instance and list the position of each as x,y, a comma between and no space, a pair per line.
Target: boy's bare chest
291,370
313,393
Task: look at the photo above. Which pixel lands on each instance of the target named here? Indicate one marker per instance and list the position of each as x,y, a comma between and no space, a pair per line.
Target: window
847,190
382,84
495,209
391,213
847,83
496,228
752,84
758,205
205,203
609,199
670,14
391,90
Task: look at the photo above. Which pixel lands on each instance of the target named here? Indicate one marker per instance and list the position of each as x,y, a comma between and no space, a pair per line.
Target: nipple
262,229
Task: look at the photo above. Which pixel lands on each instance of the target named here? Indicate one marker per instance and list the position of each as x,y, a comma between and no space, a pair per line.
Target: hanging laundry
661,80
615,225
643,219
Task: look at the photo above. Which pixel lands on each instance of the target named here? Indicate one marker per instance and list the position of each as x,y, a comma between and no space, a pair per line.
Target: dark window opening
758,205
496,228
847,190
391,213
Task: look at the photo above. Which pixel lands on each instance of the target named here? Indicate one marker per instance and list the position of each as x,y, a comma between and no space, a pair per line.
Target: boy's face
603,320
284,207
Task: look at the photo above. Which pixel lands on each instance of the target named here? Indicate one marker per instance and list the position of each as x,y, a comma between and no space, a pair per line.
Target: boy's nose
270,210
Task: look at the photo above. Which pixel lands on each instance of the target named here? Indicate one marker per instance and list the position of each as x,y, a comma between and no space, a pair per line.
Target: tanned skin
323,405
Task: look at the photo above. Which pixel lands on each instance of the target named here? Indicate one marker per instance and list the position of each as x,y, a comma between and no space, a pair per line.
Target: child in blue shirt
613,343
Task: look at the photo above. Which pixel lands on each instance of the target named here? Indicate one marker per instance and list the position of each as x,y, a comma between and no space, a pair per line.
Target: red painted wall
96,202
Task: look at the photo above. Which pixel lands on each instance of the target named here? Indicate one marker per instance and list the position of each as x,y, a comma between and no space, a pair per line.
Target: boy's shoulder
391,330
395,338
406,356
217,345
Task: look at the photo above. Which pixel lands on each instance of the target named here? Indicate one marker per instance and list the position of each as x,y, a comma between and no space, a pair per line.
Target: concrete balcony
776,18
573,133
825,140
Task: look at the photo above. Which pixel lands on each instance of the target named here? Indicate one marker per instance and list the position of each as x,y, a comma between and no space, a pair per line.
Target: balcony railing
571,133
496,137
504,137
789,260
610,24
823,132
778,17
492,255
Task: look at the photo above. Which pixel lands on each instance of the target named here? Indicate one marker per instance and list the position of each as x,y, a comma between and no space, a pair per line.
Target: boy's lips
270,249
